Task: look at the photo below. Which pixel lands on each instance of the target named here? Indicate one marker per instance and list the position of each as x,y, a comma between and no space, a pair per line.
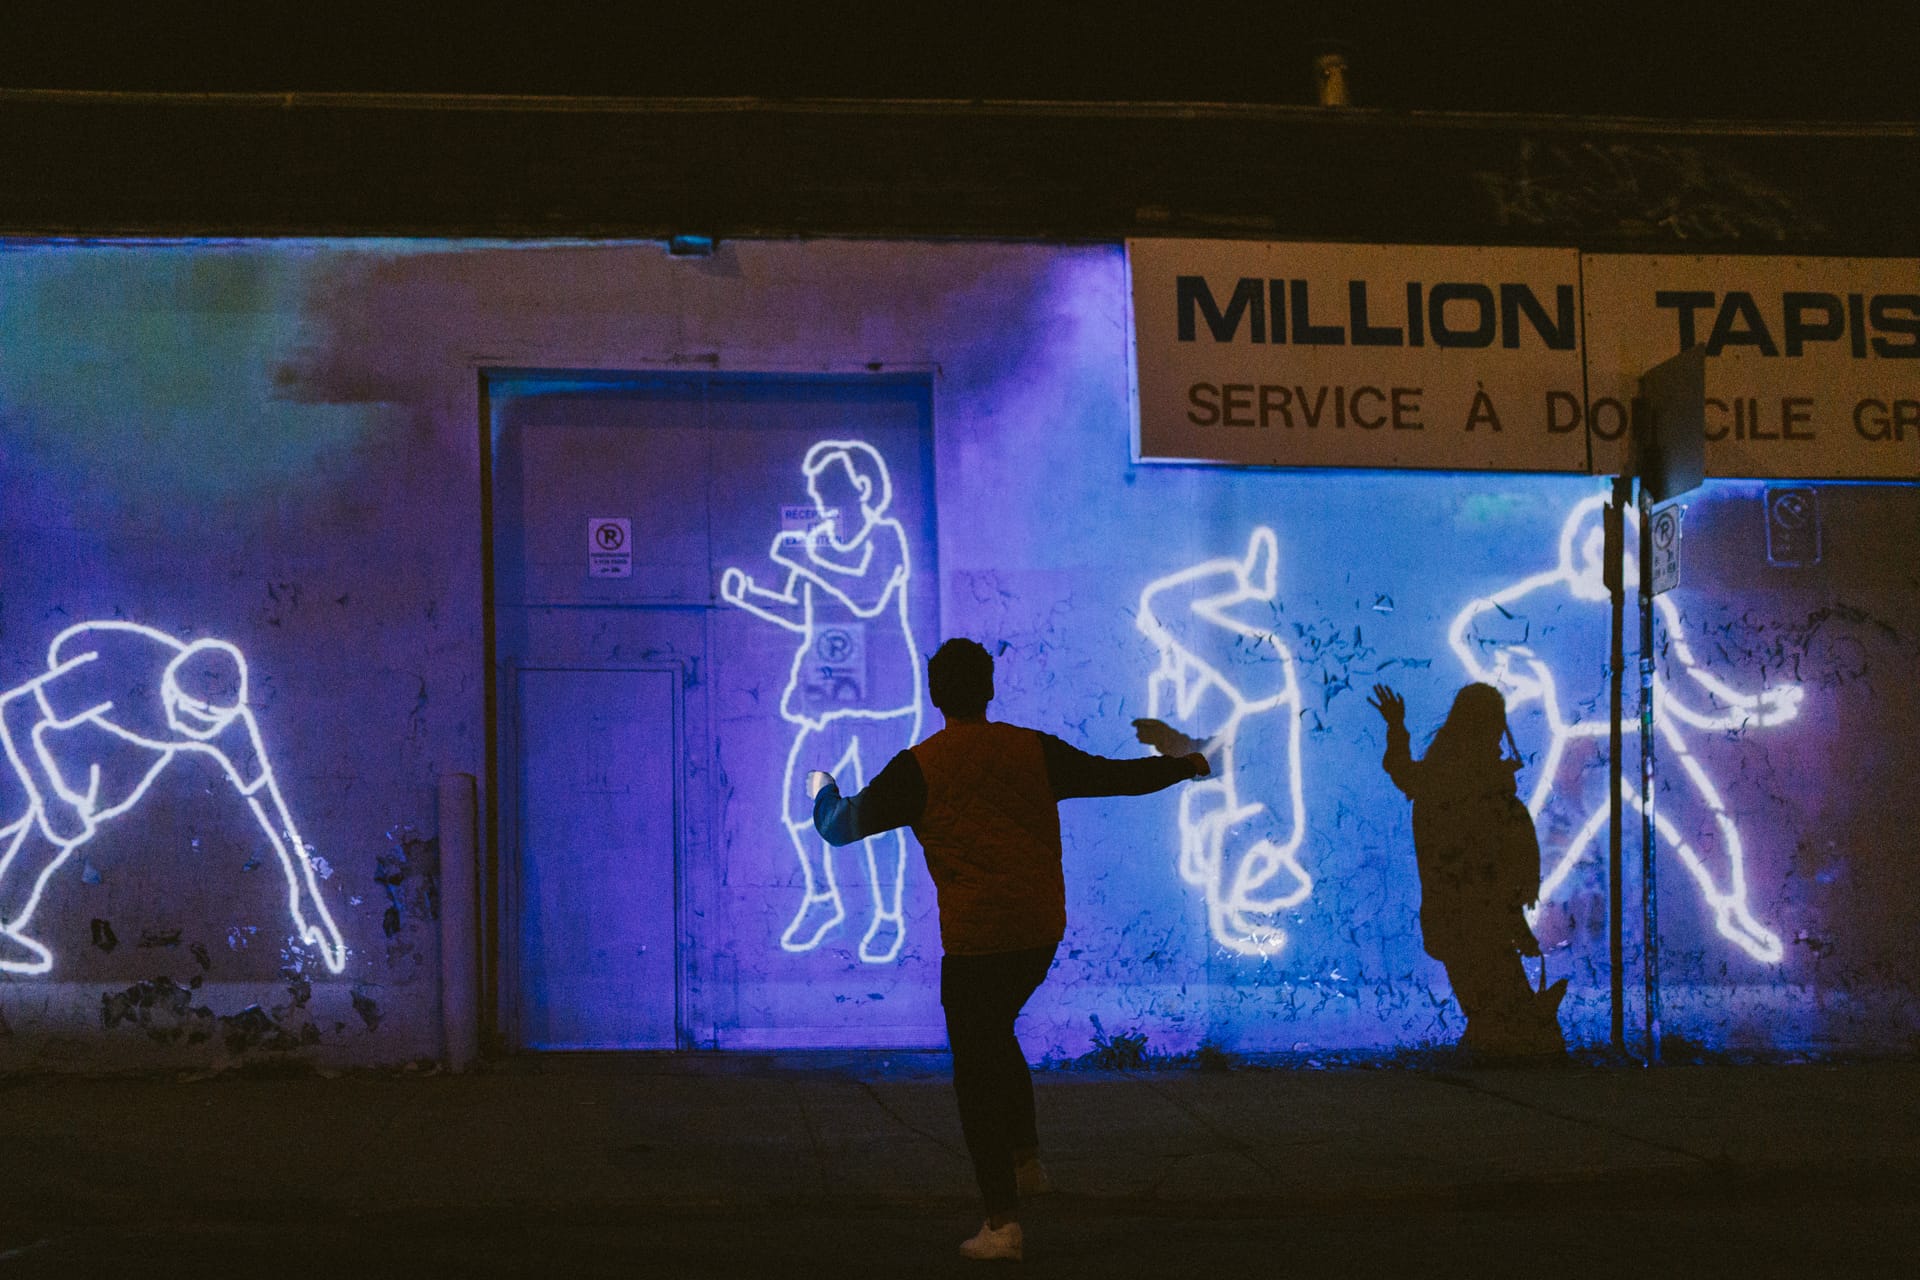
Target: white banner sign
1813,364
1357,355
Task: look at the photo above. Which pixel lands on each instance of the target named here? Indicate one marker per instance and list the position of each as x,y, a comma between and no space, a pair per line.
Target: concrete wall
278,445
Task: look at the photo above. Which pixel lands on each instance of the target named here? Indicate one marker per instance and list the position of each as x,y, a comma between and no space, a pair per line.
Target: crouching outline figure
133,696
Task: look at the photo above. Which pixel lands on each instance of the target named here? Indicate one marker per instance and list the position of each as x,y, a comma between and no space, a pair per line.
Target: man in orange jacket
981,797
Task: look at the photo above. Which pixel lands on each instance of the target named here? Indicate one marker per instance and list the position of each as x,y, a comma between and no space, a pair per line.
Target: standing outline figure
1233,846
86,739
1519,673
842,569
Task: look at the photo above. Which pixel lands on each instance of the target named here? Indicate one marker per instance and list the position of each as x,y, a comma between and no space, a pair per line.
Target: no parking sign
1666,548
609,547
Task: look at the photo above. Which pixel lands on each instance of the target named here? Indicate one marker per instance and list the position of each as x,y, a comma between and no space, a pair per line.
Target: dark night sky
1763,59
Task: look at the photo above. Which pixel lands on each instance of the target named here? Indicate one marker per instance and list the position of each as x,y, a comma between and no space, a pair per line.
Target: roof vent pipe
1330,68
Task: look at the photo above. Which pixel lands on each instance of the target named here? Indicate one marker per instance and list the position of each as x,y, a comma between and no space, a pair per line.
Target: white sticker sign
1666,549
609,547
1327,355
1793,527
799,519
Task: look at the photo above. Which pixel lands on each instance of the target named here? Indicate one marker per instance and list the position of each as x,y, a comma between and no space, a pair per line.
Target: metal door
658,708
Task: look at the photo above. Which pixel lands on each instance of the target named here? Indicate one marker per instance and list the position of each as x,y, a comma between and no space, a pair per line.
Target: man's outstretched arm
896,798
1073,773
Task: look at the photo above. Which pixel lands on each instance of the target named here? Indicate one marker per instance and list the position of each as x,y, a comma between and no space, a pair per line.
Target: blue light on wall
1296,852
278,401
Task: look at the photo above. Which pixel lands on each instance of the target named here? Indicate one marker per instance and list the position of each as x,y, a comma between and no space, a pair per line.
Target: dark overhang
112,164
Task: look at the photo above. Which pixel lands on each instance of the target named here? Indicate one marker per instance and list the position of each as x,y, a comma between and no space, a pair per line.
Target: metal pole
1649,896
1614,549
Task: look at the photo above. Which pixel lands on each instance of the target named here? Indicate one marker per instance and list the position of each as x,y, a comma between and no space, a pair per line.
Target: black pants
982,995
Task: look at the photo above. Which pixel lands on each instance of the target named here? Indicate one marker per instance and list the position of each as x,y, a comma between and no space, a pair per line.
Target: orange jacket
981,797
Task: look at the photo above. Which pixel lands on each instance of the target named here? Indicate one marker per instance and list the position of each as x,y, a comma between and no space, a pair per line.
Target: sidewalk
785,1138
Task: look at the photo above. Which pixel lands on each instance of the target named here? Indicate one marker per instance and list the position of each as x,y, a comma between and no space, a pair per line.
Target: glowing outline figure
61,815
1213,809
1580,572
823,565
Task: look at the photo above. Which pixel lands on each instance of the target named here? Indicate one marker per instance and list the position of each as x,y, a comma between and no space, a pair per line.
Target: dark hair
1474,726
960,678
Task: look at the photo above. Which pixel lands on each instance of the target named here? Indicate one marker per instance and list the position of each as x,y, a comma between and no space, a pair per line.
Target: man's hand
733,585
1391,706
1169,741
817,779
1166,739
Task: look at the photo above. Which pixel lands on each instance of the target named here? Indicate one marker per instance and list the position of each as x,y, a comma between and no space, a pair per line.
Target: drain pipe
459,934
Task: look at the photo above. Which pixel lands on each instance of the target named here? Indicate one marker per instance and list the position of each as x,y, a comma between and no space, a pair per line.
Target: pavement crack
873,1095
1226,1139
1587,1122
820,1161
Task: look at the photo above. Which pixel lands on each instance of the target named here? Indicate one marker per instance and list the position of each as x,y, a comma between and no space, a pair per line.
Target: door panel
637,453
596,928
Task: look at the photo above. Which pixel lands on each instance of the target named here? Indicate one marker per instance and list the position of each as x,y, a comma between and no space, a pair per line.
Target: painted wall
278,446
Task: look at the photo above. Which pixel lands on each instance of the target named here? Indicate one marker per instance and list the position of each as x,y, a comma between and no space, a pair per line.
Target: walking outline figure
85,740
1213,627
1518,671
848,574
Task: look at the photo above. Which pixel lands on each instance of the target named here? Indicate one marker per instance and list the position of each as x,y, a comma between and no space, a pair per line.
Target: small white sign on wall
609,547
1666,549
799,519
1793,527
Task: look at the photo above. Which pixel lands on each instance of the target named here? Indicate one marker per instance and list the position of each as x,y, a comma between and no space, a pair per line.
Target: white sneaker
1030,1178
994,1244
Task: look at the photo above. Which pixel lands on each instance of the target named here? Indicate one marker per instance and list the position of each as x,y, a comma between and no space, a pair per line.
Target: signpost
1669,459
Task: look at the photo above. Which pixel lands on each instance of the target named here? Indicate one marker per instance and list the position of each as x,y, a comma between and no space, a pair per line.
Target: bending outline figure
86,739
1226,677
845,594
1717,861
